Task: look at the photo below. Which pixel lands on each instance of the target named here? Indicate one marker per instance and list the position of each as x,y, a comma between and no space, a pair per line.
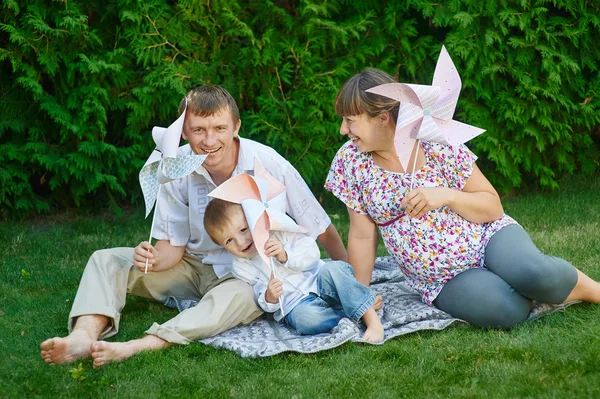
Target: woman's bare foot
374,333
59,350
104,352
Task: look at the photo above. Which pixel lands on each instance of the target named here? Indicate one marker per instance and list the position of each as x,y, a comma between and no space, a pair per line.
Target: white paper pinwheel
426,111
263,200
164,164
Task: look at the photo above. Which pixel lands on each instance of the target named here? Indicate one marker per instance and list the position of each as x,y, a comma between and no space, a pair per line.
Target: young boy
314,294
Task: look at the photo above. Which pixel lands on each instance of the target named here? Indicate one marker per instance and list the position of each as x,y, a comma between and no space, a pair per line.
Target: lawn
556,356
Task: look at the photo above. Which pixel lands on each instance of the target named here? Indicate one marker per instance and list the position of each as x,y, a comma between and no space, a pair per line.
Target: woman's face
365,132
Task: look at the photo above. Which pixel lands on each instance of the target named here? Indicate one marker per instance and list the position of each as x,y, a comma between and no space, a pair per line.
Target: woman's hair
353,98
208,100
217,216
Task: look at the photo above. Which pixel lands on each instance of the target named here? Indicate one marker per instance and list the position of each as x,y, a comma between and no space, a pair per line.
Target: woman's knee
498,311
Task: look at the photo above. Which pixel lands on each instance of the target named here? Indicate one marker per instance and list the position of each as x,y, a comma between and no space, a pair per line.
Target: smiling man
184,261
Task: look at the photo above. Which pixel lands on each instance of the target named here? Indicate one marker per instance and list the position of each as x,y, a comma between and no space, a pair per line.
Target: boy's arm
302,250
244,270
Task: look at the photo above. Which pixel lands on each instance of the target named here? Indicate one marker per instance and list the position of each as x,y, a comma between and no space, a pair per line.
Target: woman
443,223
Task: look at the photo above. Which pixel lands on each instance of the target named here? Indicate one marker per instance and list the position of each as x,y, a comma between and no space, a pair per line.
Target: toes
47,344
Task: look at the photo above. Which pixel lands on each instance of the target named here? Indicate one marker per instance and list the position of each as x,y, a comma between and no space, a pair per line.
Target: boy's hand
274,290
274,247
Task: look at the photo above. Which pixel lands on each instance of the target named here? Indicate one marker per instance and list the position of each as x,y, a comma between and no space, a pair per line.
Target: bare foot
59,350
104,352
374,333
378,302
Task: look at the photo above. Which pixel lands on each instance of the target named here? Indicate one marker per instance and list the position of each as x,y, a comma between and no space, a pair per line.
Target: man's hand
274,290
274,247
142,252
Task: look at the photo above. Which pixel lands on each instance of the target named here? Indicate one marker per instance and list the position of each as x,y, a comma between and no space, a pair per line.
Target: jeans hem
356,316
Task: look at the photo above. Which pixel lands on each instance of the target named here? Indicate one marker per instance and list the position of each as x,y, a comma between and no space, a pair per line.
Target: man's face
212,135
236,237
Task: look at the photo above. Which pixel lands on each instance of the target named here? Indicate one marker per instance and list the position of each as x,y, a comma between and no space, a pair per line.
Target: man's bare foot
374,333
104,352
378,302
59,350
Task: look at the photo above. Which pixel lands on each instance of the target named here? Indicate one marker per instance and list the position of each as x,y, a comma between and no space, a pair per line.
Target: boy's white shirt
298,274
182,203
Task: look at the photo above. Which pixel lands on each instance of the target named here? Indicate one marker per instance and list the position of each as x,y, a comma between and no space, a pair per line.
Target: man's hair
353,98
208,100
217,217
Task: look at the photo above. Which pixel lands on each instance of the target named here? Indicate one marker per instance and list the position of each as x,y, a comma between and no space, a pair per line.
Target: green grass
556,356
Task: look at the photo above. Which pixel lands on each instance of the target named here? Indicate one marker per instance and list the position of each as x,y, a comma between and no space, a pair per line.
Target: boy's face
235,236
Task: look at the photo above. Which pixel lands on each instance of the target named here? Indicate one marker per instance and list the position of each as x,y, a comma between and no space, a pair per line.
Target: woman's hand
274,247
421,200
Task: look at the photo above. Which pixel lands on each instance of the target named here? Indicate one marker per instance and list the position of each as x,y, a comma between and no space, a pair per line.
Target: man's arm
332,243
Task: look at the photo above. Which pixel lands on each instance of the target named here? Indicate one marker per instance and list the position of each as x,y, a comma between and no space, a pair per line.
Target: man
184,261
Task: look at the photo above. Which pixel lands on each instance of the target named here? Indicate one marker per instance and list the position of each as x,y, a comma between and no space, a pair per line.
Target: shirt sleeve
244,270
456,163
301,203
302,251
172,214
342,180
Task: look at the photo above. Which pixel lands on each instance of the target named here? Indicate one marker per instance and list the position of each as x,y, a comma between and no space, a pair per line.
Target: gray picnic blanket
402,313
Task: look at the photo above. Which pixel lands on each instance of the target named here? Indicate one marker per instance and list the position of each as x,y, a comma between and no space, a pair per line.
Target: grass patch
556,356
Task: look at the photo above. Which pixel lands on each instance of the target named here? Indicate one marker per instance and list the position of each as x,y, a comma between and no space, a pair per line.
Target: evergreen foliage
83,83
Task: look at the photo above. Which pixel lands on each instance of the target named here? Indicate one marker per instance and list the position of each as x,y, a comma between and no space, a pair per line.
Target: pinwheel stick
274,276
412,179
152,226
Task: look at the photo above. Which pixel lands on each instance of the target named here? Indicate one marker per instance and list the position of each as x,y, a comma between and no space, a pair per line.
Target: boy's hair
353,98
208,100
217,216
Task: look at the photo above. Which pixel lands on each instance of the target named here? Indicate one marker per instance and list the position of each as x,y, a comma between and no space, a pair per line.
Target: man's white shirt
182,203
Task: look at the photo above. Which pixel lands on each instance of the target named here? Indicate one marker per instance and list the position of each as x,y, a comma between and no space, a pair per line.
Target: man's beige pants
109,276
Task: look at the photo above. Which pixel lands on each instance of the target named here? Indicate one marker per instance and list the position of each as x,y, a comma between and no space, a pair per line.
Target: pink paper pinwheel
426,111
263,200
164,164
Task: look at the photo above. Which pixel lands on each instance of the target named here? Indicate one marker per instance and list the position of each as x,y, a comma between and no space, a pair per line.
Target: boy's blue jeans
340,295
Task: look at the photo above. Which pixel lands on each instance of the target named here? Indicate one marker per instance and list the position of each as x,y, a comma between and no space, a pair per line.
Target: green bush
82,84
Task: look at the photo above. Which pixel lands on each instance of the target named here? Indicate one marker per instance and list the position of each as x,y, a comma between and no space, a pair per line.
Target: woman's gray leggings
516,272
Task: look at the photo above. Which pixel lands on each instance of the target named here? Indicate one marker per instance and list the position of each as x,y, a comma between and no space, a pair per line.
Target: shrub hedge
83,83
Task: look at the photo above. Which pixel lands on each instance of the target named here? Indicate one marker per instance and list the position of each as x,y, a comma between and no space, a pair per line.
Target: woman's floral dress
430,250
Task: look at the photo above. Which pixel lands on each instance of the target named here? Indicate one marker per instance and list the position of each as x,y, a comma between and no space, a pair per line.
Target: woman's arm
362,246
478,201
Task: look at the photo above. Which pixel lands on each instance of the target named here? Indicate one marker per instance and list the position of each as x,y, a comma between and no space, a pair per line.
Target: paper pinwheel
164,164
263,200
426,111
